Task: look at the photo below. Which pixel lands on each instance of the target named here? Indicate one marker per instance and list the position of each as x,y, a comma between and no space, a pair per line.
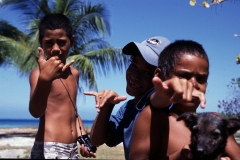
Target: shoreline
18,132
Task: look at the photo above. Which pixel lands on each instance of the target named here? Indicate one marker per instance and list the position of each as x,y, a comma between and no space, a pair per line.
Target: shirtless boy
53,92
180,80
114,129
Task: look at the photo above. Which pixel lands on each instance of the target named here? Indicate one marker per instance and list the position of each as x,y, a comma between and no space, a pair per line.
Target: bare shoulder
157,117
34,73
35,70
74,71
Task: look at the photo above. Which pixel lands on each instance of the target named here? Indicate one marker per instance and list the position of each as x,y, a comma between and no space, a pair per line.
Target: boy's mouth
134,85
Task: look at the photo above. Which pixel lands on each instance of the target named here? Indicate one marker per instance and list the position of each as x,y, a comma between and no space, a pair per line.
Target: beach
17,143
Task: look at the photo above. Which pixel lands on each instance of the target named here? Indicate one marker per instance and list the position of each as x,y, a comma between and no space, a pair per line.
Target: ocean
22,123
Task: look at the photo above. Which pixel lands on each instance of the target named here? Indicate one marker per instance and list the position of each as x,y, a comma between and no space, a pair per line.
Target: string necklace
75,107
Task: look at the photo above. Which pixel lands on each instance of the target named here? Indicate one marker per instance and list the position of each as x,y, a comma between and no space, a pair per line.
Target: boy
54,91
114,129
180,80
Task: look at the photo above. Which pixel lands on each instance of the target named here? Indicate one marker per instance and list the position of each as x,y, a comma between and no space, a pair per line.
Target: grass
103,152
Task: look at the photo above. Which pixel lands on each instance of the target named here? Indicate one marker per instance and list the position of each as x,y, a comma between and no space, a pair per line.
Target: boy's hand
84,152
52,68
176,90
186,154
106,96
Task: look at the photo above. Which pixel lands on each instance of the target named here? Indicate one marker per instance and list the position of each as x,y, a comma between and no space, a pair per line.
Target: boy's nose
136,75
195,83
56,49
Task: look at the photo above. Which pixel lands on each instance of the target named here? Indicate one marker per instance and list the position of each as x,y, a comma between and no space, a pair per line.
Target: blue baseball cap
150,48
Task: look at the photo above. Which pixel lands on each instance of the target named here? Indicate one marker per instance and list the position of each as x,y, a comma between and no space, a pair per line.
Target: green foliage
91,53
237,135
228,115
230,107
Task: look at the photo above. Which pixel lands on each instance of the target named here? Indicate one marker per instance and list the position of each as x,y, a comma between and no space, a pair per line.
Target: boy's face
195,70
139,77
56,43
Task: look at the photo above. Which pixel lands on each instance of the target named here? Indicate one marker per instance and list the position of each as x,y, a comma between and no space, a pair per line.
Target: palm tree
91,53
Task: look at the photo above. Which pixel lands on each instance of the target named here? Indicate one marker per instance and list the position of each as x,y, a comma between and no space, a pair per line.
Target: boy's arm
174,90
232,148
105,101
140,143
149,136
39,91
183,154
81,131
41,80
99,131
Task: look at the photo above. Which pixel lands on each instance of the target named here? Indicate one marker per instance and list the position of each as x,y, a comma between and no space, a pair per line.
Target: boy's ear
72,40
158,73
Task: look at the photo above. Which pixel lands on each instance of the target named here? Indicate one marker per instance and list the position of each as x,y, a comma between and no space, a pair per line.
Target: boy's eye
148,74
183,76
201,80
132,65
61,43
48,42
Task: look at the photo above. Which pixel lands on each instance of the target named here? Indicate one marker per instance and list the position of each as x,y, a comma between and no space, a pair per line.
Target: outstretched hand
105,96
52,68
176,90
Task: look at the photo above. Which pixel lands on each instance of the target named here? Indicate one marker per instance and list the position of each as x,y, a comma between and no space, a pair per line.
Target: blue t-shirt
120,126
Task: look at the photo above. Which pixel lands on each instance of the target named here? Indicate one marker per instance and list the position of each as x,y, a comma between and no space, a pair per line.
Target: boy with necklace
53,93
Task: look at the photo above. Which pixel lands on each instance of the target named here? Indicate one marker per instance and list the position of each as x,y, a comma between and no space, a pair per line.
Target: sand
15,147
16,142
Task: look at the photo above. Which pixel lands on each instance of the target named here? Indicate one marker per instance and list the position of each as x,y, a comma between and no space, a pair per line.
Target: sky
134,20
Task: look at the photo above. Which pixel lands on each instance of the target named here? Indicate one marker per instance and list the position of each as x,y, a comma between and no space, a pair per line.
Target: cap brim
147,53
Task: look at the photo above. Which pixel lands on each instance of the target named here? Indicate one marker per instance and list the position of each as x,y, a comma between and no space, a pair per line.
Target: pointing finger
67,65
90,93
119,99
201,97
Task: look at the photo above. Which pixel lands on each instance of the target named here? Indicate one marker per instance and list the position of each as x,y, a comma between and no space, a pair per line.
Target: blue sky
134,20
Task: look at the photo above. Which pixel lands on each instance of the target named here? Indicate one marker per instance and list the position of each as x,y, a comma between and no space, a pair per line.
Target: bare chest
179,136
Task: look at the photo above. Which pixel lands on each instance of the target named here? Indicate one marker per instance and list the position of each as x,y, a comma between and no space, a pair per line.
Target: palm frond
19,54
85,66
7,30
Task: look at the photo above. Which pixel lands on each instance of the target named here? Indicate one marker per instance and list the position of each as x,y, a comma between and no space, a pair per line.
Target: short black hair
171,55
55,21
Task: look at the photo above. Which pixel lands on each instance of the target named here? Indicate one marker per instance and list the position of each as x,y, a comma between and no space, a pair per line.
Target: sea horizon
22,123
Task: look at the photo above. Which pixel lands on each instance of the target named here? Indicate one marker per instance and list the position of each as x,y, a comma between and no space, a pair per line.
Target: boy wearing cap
114,129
